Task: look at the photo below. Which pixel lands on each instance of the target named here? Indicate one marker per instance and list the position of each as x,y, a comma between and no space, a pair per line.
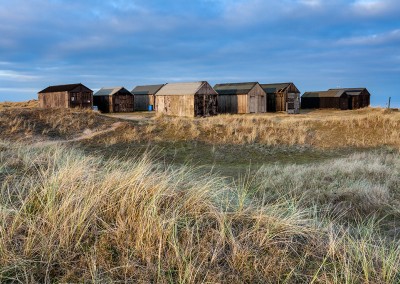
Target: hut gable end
278,96
246,97
187,99
114,99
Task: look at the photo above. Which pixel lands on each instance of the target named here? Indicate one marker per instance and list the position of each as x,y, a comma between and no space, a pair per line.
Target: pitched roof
147,89
61,88
351,91
274,87
110,91
181,89
234,88
334,93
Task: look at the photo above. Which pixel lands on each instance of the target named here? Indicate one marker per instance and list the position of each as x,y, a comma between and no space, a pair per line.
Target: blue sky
317,44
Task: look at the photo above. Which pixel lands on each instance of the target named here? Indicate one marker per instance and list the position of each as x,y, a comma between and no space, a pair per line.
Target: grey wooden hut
241,98
280,96
187,99
114,99
344,98
66,96
145,96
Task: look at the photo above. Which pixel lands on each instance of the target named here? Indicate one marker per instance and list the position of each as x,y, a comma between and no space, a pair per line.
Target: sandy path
87,134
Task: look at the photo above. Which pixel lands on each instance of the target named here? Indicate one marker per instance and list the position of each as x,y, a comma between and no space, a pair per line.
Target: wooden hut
116,99
187,99
280,96
345,98
145,96
240,98
66,96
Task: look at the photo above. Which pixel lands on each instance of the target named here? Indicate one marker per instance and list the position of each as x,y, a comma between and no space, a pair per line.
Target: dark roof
62,88
334,93
147,89
234,88
110,91
184,89
274,87
323,94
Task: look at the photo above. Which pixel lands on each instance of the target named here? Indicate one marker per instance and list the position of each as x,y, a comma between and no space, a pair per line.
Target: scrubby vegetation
26,104
69,217
38,124
319,202
321,129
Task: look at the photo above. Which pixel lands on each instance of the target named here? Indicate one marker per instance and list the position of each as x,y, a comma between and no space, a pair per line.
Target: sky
317,44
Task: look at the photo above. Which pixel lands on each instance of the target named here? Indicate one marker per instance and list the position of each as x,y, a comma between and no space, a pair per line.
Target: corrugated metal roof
274,87
61,88
110,91
234,88
147,89
180,89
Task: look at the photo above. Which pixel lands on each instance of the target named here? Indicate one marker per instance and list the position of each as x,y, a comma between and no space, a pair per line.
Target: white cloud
311,3
375,7
16,76
374,39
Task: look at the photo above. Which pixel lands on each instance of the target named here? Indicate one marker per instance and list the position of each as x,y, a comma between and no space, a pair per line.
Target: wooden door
253,104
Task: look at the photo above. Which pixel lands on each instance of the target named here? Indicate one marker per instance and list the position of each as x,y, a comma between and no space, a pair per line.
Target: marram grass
69,217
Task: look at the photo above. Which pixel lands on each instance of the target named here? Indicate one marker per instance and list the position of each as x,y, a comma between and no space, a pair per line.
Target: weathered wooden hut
277,96
345,98
145,96
115,99
187,99
240,98
66,96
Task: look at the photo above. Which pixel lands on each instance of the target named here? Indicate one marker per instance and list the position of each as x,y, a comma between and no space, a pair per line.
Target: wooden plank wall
260,97
176,105
122,102
142,102
54,100
228,104
243,105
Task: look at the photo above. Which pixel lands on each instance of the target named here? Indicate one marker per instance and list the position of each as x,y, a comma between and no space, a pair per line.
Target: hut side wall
307,103
142,102
176,105
320,103
54,100
227,104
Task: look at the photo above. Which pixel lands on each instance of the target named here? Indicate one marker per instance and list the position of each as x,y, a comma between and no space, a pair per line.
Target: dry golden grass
27,104
31,124
323,129
68,217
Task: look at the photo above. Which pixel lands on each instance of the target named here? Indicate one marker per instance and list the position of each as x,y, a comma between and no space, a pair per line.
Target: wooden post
389,102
